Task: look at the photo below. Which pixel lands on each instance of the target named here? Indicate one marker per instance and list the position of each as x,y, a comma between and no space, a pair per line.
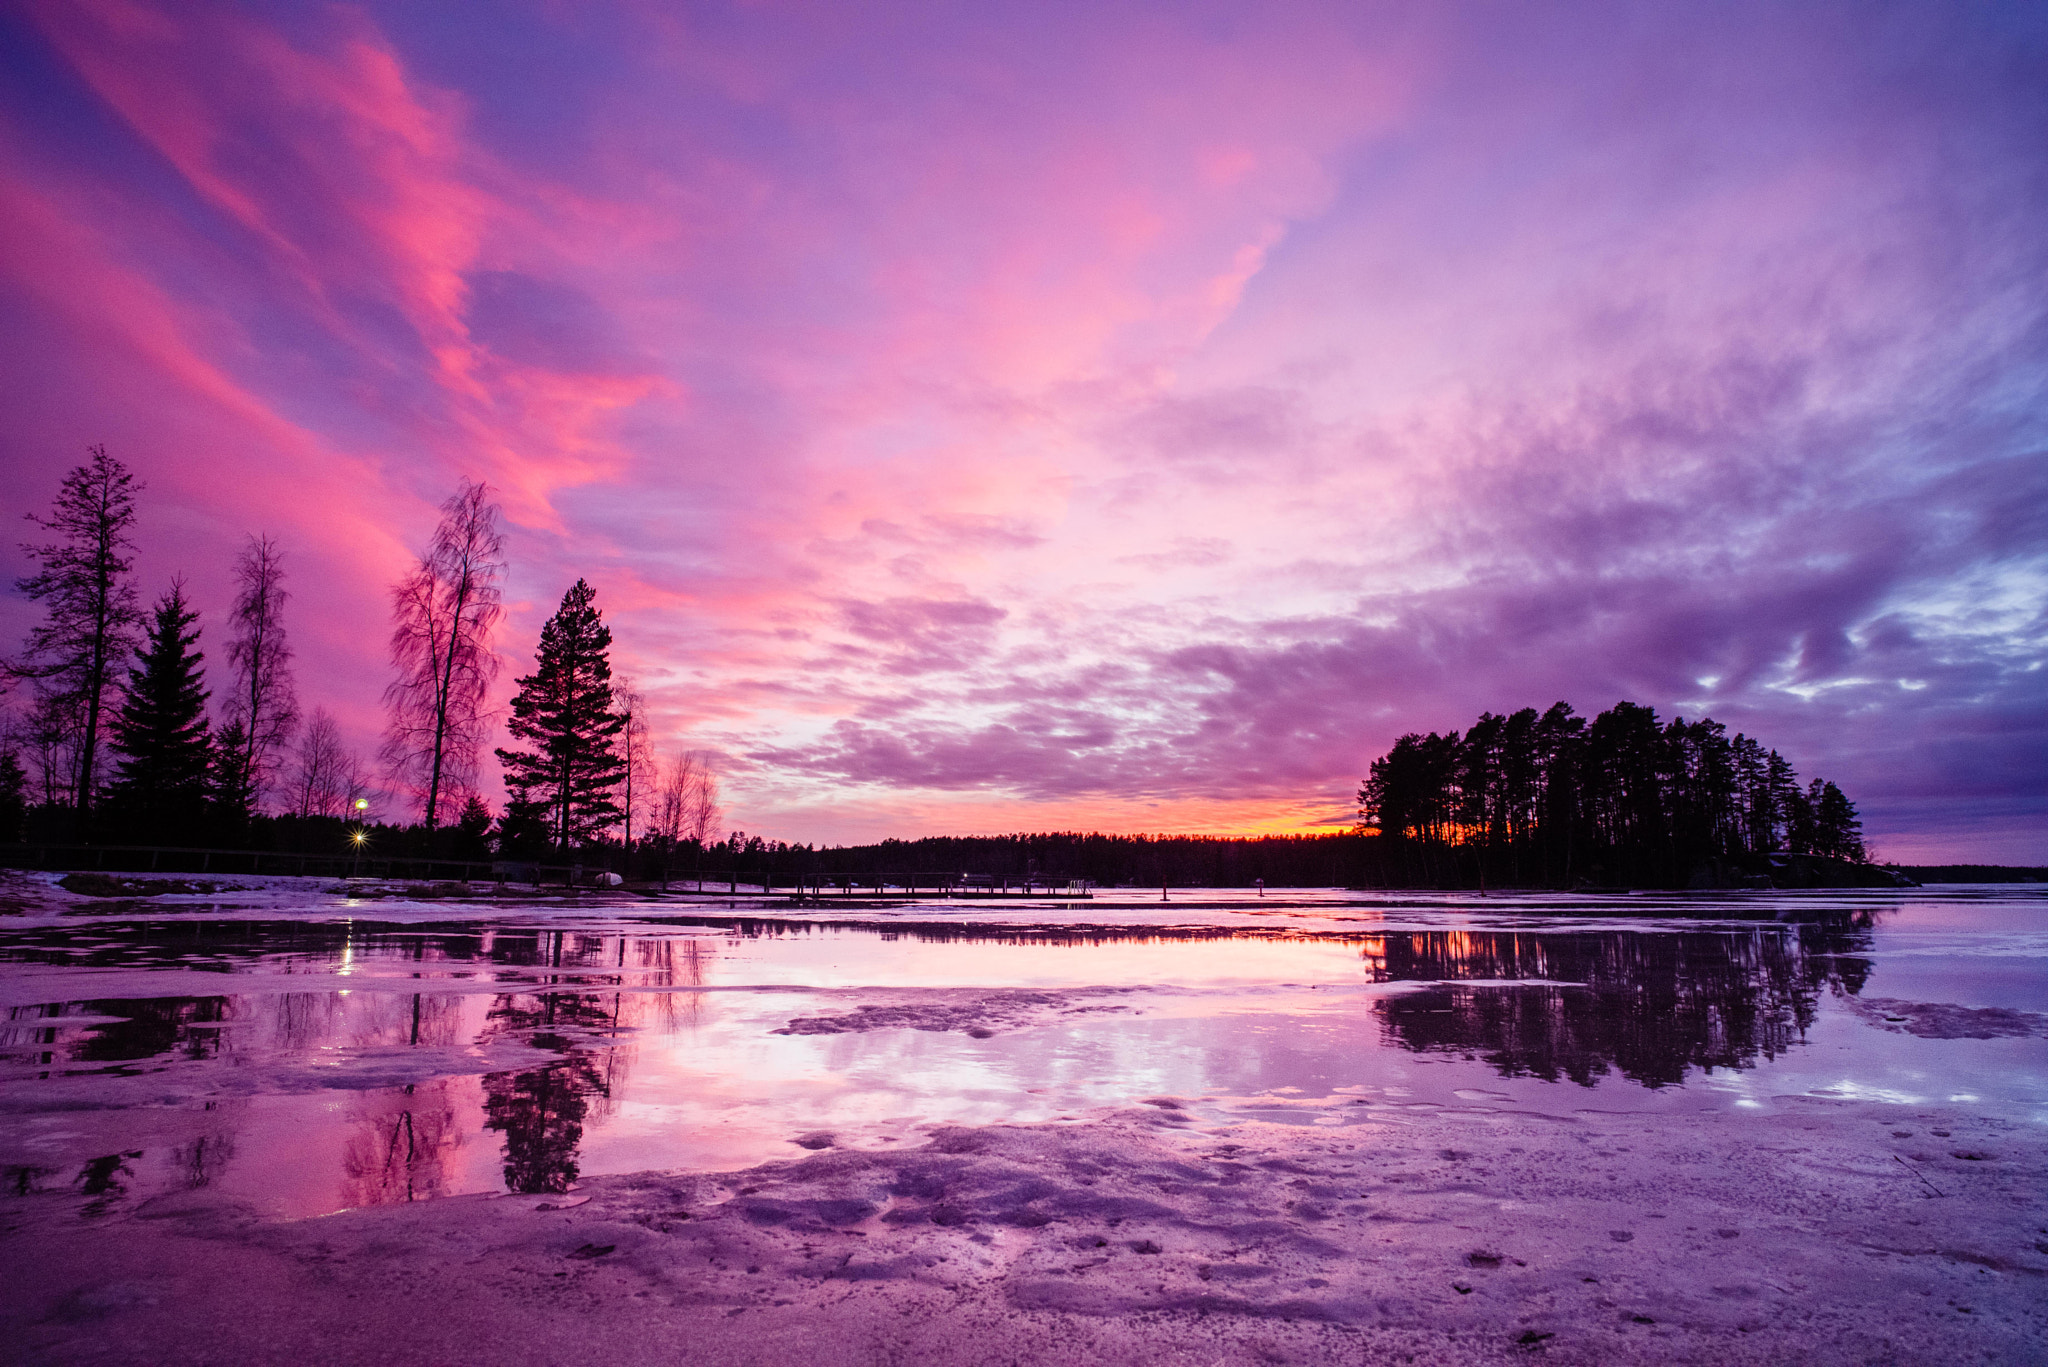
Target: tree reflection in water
103,1181
400,1142
1649,1005
1558,1002
155,1027
201,1162
541,1111
398,1147
541,1114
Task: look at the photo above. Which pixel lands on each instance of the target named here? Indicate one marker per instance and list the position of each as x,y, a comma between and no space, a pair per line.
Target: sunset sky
994,416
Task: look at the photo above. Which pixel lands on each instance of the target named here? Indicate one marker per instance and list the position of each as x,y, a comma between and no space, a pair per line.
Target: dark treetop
90,607
1554,800
160,731
564,711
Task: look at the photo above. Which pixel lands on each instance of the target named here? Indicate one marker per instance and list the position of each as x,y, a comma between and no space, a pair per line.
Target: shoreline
1819,1232
1805,1211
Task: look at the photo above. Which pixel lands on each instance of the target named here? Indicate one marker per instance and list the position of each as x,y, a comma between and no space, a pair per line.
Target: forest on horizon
129,744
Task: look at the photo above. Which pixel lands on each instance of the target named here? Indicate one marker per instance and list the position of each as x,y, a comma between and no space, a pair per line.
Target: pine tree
1754,794
473,828
1787,804
564,710
160,731
1837,832
231,788
1801,834
1624,798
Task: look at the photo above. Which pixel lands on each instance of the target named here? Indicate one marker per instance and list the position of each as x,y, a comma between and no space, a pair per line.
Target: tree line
126,742
116,736
1556,800
1333,860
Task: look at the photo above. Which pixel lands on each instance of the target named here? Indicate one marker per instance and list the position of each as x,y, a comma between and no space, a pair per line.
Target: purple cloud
1105,415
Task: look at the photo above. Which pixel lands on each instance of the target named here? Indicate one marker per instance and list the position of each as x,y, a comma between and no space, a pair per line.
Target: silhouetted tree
702,811
1557,752
564,709
1411,796
473,828
231,795
90,609
522,831
51,728
326,776
160,730
1753,793
635,753
1837,832
1785,805
685,809
264,699
442,615
1628,798
13,797
1801,821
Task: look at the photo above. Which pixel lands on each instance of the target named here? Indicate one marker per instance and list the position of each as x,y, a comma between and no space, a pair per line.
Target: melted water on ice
311,1052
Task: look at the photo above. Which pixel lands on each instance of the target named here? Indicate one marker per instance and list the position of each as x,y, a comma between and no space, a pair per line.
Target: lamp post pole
359,837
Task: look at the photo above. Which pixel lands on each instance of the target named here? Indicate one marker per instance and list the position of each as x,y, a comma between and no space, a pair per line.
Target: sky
993,416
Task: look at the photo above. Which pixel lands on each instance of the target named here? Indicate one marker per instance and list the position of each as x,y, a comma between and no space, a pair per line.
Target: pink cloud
1014,416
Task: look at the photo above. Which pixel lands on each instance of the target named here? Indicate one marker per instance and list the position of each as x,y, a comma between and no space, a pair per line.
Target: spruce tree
564,711
230,787
160,732
473,829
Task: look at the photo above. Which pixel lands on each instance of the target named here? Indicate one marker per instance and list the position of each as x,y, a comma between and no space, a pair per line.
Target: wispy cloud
1115,415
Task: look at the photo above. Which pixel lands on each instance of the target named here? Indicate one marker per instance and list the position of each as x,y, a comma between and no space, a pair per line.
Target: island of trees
1553,800
117,736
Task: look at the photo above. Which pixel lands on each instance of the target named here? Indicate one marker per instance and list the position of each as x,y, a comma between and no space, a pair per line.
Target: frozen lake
309,1052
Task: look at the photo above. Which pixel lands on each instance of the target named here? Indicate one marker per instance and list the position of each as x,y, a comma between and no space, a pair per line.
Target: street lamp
359,837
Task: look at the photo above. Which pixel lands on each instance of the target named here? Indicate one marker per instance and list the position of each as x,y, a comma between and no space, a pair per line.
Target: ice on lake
311,1052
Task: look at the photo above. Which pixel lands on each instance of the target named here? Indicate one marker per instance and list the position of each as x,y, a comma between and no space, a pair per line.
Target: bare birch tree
326,774
635,750
51,733
315,759
91,613
264,699
665,821
701,811
685,806
442,614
